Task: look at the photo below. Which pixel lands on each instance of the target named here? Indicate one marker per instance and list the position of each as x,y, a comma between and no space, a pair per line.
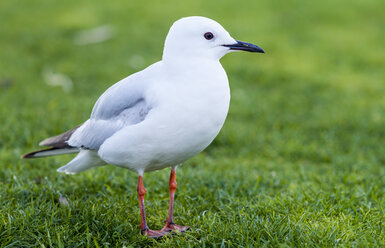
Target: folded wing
121,105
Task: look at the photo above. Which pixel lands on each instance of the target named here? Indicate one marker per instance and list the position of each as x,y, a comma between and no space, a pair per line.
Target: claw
154,234
174,228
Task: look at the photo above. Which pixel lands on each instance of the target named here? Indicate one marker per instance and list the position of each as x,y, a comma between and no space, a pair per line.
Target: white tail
86,159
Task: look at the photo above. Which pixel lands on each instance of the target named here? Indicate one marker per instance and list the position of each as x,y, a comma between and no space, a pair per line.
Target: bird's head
201,37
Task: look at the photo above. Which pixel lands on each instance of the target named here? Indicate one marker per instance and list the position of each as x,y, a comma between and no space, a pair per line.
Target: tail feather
51,152
58,145
86,159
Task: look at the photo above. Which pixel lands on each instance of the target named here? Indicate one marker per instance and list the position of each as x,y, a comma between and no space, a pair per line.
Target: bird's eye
208,36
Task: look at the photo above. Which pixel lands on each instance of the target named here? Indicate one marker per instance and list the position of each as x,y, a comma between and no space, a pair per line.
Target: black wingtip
32,154
25,156
53,151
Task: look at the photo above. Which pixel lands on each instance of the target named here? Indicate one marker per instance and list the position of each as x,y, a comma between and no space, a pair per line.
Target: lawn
300,161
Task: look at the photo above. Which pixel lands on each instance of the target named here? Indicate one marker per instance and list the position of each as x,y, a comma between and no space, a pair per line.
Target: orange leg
170,225
143,223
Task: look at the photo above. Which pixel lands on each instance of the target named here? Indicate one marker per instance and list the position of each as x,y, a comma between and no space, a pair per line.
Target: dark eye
208,36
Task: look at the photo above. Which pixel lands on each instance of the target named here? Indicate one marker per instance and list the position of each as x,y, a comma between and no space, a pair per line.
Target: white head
201,37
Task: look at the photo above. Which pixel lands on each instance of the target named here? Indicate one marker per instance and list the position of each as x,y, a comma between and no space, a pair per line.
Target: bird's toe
174,228
154,233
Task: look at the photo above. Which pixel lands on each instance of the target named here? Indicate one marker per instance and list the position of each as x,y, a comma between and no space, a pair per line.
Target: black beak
243,46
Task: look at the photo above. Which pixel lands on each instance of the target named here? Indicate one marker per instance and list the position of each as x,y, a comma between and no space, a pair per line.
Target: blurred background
307,115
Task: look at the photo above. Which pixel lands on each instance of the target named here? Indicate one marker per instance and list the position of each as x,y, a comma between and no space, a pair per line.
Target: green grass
300,161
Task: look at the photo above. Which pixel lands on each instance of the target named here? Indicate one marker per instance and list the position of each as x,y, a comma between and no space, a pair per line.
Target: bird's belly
157,142
180,145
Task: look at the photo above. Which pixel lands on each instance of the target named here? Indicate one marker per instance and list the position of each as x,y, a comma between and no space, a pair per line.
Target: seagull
158,117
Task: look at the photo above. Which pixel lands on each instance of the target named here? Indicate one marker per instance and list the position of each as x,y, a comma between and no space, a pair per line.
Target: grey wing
121,105
123,95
